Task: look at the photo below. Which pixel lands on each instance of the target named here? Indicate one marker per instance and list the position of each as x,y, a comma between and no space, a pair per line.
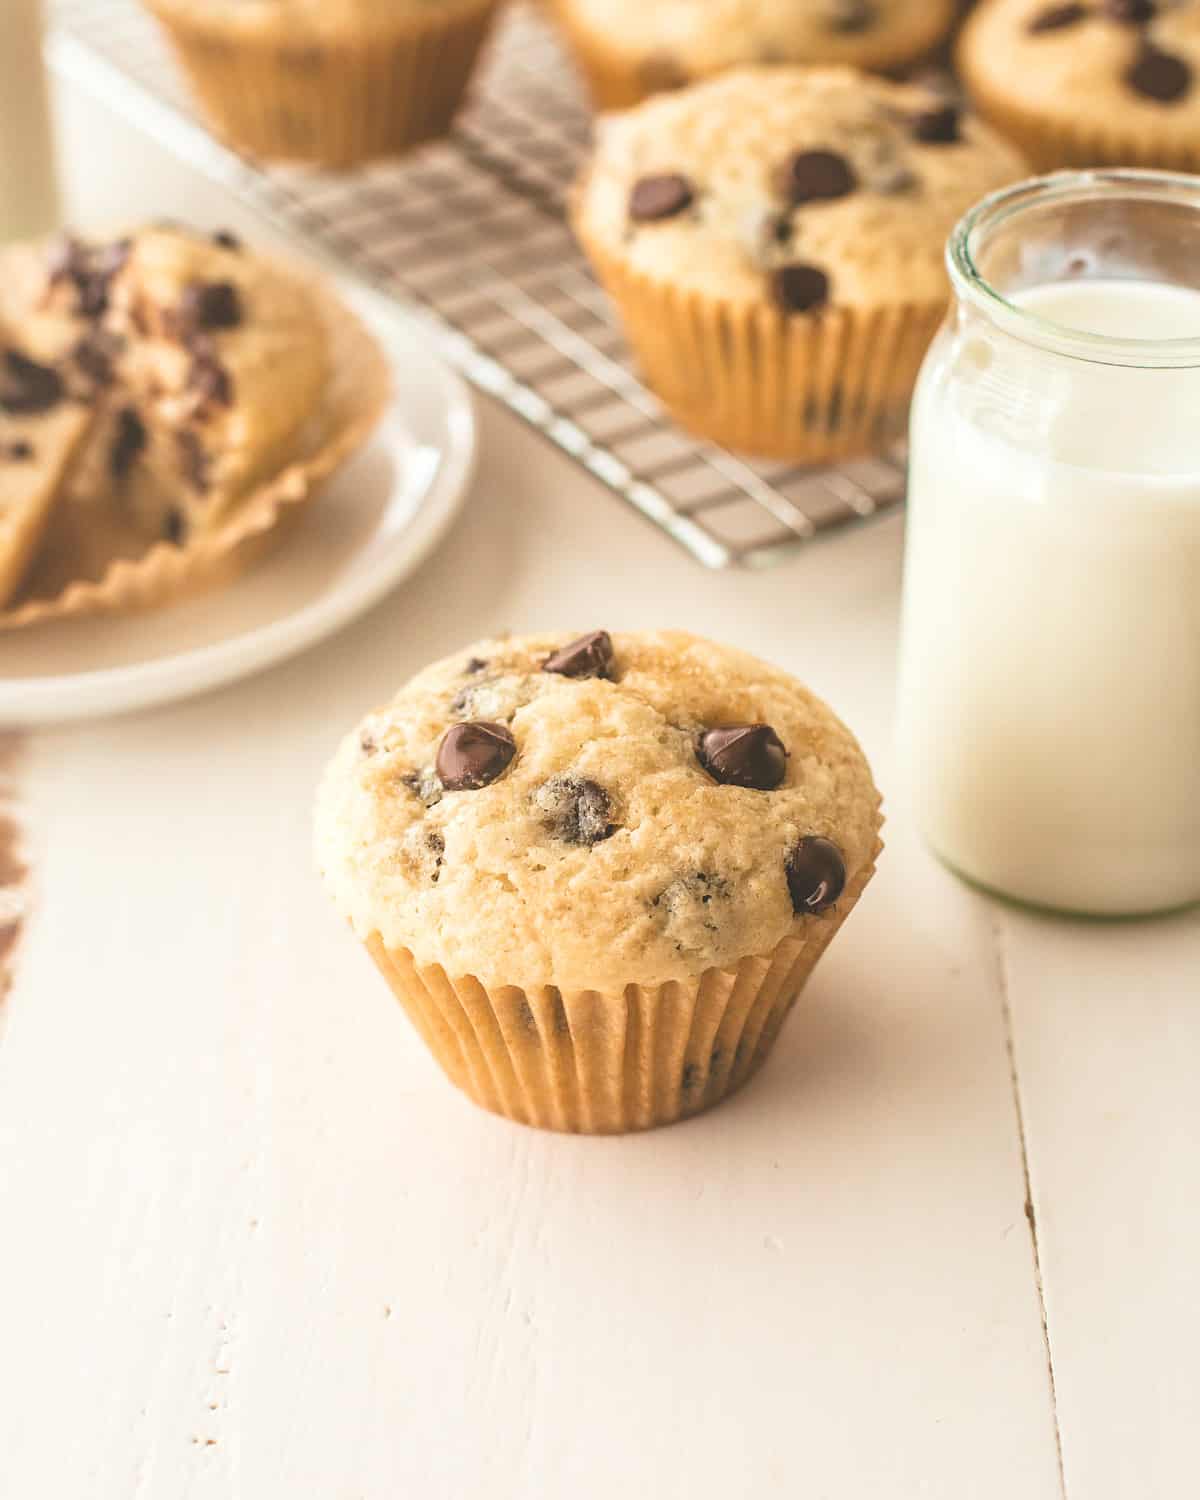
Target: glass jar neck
1129,226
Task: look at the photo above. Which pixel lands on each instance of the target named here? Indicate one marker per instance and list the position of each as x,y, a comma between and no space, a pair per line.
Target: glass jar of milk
1050,671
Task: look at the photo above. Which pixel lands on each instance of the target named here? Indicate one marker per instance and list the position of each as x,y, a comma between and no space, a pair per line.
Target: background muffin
773,240
1094,83
597,873
629,49
332,82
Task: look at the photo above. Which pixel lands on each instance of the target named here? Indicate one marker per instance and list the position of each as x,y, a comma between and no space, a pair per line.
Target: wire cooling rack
472,231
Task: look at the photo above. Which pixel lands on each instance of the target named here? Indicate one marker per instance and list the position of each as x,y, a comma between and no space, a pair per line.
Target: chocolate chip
435,844
474,755
128,442
65,258
424,785
685,902
1130,12
475,665
815,176
799,288
1057,18
193,459
27,387
208,378
660,197
209,305
367,742
95,354
851,16
1159,75
590,656
816,875
90,270
938,125
19,452
578,811
747,755
227,240
174,527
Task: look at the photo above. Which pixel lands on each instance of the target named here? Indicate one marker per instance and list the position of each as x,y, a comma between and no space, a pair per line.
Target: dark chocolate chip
815,176
193,459
660,197
746,755
424,785
90,270
799,288
27,387
475,665
175,527
367,742
19,452
938,125
128,442
1130,12
227,240
436,845
209,305
816,875
473,755
590,656
1159,75
1057,18
578,811
208,378
95,353
851,16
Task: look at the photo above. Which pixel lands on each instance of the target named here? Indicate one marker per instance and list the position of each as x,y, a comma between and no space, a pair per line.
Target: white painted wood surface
253,1246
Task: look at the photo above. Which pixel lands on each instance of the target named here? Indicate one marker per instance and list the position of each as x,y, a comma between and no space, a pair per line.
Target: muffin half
596,873
773,240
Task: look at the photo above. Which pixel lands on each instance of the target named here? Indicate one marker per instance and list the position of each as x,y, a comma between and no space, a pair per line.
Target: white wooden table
253,1246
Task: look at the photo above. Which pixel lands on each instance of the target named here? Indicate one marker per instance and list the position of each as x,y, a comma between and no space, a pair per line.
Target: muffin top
791,187
1109,66
672,41
594,813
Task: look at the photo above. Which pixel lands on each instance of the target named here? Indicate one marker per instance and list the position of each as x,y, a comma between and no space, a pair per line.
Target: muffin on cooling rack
629,49
773,240
1102,83
597,872
329,82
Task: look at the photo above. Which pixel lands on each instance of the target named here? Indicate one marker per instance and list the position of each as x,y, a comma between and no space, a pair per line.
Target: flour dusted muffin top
595,813
793,187
1110,70
673,41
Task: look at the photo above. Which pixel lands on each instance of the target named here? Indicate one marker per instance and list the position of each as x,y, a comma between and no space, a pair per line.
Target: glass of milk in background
28,195
1049,710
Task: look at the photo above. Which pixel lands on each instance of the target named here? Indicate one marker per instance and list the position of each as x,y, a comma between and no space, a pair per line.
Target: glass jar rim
1023,323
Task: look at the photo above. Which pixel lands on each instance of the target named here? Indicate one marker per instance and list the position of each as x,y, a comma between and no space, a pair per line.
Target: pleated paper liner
338,100
618,78
596,1063
359,390
810,388
1052,144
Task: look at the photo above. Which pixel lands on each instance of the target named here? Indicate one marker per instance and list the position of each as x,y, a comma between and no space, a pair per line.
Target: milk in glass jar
1050,677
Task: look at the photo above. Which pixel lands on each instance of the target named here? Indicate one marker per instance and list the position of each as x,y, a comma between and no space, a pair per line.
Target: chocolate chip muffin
630,49
597,872
164,395
1094,83
328,82
773,240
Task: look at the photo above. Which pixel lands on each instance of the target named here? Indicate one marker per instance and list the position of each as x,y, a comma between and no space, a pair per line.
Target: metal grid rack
472,231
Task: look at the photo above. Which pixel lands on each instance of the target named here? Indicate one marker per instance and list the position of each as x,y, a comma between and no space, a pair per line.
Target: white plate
376,522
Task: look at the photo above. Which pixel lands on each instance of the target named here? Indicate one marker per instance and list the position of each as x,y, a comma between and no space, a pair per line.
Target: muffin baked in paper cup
814,388
334,94
359,388
597,1063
